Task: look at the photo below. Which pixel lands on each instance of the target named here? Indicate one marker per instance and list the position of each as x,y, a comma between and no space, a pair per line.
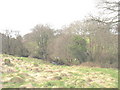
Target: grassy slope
34,73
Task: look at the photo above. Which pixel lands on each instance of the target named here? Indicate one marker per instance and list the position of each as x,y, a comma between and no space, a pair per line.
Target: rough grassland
33,73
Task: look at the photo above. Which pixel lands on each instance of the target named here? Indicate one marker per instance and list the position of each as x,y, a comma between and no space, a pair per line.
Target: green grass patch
53,84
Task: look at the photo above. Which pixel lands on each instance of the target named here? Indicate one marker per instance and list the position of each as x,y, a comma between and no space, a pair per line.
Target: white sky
23,15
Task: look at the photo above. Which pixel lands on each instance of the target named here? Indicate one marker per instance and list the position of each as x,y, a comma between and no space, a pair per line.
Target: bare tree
42,34
111,9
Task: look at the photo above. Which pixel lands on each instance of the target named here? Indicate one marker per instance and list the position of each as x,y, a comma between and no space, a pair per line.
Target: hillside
21,72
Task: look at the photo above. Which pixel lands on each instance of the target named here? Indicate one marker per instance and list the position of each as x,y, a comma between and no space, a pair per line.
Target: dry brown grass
90,64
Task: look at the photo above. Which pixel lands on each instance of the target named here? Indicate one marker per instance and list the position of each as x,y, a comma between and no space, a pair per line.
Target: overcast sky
23,15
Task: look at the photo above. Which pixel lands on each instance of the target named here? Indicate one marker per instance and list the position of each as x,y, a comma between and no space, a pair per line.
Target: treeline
81,41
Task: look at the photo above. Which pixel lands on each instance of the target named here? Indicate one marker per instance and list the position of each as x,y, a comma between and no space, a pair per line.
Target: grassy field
34,73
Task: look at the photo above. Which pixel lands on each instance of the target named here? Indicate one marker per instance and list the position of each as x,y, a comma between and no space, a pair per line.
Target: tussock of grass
36,73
